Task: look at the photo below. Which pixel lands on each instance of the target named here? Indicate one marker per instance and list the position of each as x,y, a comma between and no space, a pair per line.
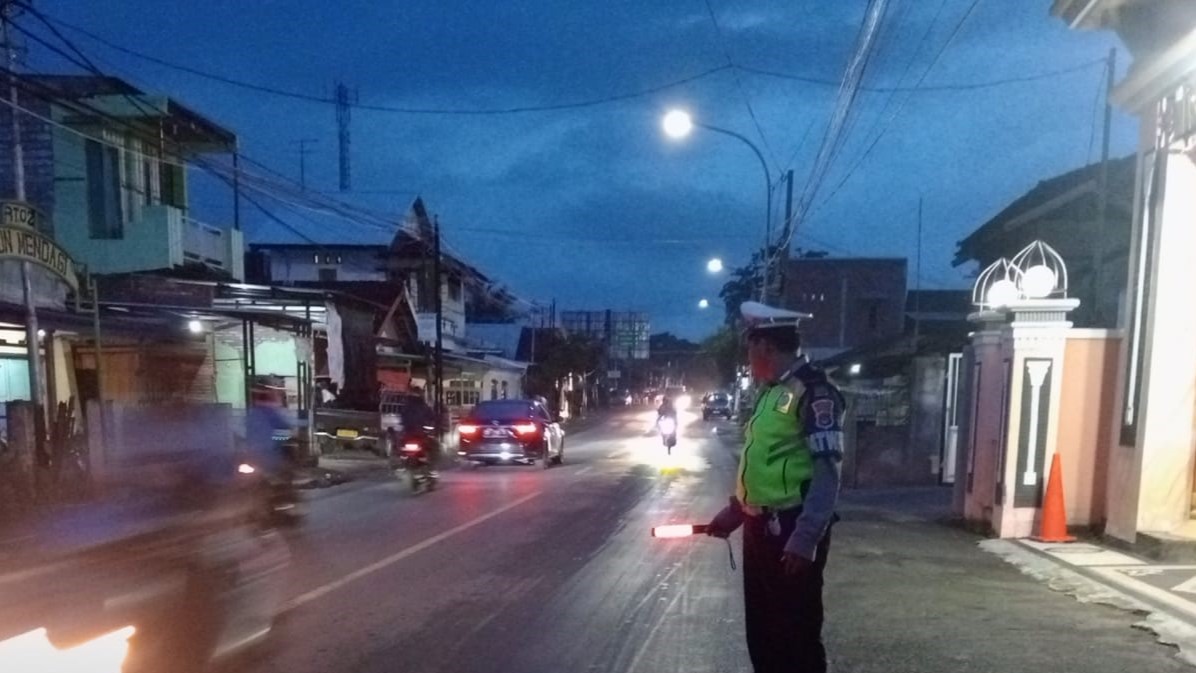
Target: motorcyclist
419,422
666,422
666,408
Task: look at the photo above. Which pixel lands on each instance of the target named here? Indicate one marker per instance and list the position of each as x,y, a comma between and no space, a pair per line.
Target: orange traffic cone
1053,527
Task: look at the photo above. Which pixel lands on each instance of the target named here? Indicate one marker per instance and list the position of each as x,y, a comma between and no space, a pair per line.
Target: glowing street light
677,124
714,265
704,304
195,326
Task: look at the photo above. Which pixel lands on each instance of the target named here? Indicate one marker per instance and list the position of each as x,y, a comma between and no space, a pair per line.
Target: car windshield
506,410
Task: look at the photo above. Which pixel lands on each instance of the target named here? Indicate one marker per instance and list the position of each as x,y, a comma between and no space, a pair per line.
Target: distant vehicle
511,431
680,397
716,404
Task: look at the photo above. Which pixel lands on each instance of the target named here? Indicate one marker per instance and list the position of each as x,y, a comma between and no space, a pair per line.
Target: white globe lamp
1038,282
1001,293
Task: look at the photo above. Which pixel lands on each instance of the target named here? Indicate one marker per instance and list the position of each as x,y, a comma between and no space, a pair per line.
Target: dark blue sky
593,206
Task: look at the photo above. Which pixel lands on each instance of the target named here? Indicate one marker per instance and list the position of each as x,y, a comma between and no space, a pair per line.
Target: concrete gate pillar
1014,383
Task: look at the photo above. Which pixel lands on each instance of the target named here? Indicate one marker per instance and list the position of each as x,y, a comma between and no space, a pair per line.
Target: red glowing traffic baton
679,530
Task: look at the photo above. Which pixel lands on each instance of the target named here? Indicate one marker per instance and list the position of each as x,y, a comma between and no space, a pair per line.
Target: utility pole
303,152
344,116
1100,241
918,280
786,236
439,354
18,170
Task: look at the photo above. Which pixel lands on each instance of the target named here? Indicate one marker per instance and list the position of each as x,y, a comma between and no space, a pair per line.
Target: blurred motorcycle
667,425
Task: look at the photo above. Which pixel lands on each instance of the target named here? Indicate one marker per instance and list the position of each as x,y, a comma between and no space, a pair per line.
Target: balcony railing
205,244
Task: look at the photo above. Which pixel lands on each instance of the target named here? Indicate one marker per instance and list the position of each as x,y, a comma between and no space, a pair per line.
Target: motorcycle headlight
33,651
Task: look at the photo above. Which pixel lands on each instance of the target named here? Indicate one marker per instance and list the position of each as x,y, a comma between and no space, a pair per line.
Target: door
551,428
951,419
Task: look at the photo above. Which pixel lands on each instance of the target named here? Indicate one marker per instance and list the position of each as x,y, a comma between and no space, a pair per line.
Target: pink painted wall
1087,402
985,433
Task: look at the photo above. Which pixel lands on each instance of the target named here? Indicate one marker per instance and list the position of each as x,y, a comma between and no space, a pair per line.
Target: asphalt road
517,569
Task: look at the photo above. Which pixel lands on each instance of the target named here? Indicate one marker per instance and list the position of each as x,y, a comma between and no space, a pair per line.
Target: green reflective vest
776,459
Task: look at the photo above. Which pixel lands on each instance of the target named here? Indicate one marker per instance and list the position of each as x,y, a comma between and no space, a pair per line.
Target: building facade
854,301
1152,461
104,163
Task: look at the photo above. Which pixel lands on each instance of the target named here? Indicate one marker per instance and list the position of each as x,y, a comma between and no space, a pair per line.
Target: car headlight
682,402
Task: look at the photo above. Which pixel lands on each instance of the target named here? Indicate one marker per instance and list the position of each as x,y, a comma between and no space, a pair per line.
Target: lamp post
678,124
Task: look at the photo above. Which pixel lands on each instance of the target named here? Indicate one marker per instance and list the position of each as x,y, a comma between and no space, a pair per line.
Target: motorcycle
668,432
415,462
279,504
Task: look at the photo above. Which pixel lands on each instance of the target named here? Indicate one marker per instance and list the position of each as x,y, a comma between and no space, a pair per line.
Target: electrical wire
552,107
958,86
1101,94
876,140
832,136
747,100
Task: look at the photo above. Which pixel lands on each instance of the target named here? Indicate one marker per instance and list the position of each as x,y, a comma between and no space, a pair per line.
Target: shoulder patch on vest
784,402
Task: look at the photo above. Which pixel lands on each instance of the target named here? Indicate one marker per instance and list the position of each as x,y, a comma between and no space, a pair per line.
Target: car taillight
525,428
466,429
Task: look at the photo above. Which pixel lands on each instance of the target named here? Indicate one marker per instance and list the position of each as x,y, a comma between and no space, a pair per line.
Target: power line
851,171
960,86
832,136
1096,109
572,105
747,101
311,98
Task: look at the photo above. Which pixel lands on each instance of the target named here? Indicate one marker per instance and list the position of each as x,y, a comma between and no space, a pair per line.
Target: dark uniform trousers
783,614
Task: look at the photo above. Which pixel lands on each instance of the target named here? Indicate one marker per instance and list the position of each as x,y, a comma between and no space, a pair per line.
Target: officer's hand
726,521
794,565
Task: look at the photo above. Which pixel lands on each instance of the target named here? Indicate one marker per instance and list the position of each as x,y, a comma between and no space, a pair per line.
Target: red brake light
526,428
411,447
467,429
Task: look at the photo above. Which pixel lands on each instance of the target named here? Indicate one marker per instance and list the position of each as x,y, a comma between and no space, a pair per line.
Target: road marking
584,470
319,592
639,655
1188,586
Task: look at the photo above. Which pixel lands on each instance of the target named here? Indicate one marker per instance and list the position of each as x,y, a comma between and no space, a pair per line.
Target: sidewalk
1165,593
906,592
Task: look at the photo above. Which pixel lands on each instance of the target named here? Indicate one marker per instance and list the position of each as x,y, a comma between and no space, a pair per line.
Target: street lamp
715,265
704,304
678,124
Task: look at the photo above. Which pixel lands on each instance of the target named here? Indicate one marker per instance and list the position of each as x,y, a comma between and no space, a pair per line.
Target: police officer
788,482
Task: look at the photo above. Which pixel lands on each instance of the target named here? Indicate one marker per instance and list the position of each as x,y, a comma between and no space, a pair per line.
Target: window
327,275
170,185
105,216
504,390
454,289
494,389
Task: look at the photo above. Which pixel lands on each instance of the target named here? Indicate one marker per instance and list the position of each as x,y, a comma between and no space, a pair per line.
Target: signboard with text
20,240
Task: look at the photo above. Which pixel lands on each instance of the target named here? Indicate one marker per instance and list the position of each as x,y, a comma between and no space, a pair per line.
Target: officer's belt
754,511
